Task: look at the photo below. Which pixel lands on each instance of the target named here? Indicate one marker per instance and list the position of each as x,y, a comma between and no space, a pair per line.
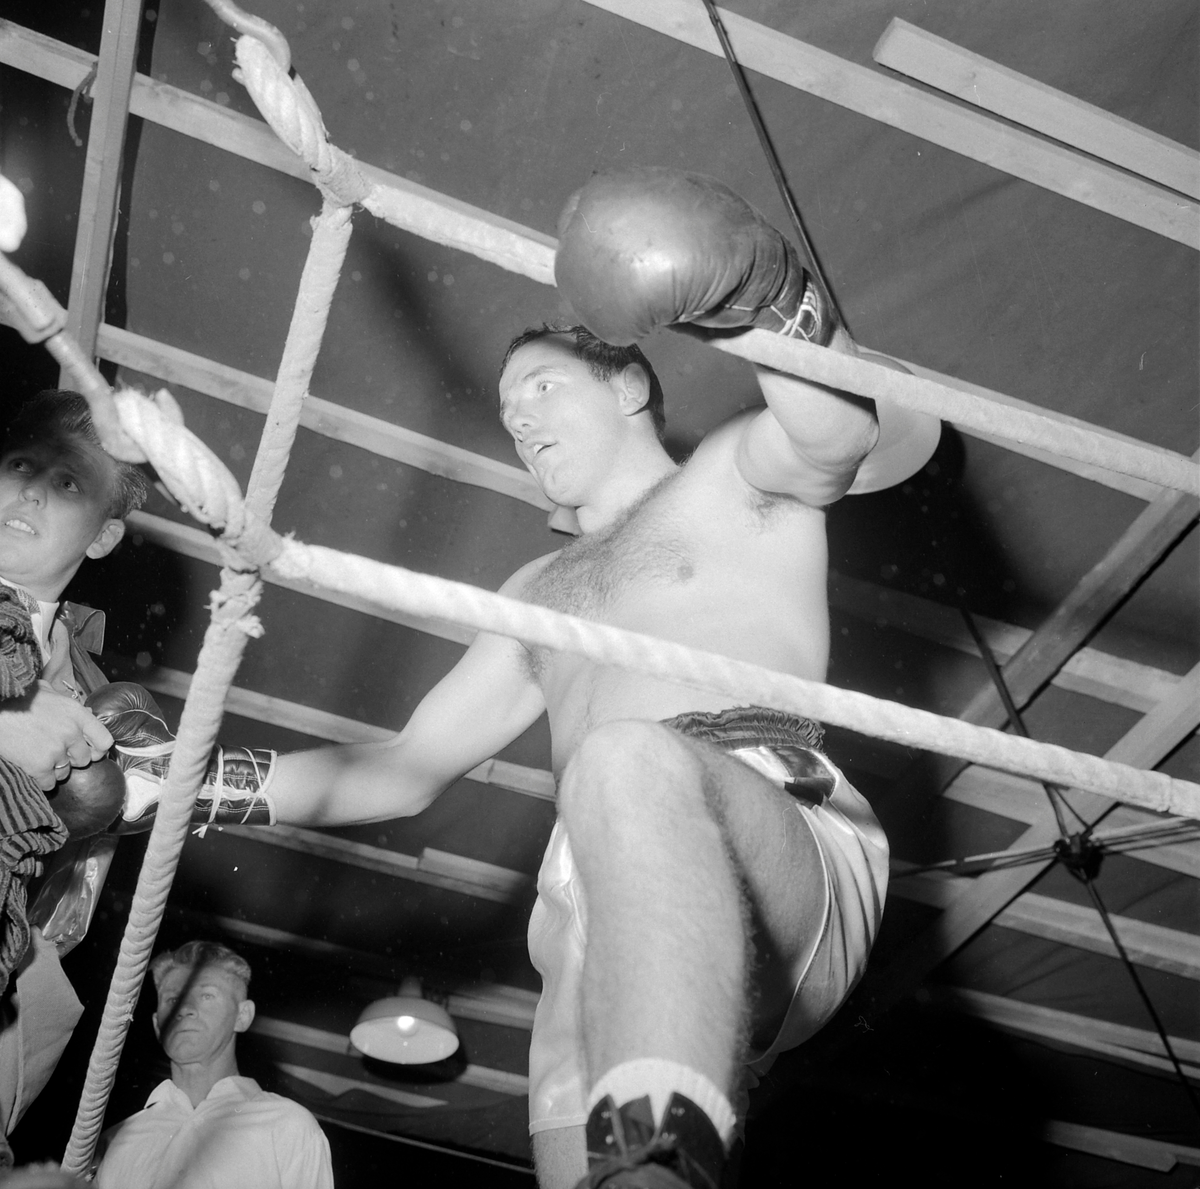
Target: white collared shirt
239,1137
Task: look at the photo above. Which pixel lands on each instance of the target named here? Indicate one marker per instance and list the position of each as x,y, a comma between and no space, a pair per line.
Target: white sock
658,1079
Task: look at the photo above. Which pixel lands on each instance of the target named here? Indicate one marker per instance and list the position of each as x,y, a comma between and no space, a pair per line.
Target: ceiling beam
1076,925
1138,1048
1137,1150
456,224
873,94
324,417
453,873
983,83
102,172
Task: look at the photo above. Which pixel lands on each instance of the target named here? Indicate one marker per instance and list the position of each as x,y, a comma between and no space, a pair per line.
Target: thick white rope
455,602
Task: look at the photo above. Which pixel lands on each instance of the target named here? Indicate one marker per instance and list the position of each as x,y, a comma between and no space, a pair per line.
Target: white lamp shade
406,1030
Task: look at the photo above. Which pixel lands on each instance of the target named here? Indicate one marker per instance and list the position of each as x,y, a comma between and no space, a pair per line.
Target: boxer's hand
236,782
47,734
649,247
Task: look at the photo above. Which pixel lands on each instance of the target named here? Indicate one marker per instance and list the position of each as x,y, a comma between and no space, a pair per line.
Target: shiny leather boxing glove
650,247
236,783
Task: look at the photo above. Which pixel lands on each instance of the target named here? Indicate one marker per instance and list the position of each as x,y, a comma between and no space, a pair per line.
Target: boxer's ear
633,388
245,1015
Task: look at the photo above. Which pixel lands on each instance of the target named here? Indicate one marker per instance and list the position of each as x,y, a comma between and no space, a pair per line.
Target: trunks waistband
749,726
799,763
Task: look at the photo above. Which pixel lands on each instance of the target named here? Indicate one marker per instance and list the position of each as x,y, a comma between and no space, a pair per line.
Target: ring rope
439,598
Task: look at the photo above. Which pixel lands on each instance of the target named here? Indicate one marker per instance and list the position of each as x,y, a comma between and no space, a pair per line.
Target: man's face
54,499
199,1011
564,421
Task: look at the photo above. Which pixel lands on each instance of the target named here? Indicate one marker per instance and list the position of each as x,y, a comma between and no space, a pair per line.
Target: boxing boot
236,783
651,247
626,1150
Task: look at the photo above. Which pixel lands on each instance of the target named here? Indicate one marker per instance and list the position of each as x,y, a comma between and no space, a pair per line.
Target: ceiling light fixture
405,1029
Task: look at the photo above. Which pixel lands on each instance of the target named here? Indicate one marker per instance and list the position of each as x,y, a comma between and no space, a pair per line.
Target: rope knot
288,106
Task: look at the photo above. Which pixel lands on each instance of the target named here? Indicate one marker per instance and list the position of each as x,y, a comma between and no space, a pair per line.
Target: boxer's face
566,424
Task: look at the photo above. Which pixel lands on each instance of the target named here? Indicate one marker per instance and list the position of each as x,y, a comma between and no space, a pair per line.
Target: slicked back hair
603,361
56,411
194,955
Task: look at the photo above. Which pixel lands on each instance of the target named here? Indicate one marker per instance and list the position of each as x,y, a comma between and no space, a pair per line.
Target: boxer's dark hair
194,955
59,411
603,361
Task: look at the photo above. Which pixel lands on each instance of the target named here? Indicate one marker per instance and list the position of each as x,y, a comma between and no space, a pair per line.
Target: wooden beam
988,894
983,83
1138,1048
331,420
891,102
1152,946
448,221
194,542
484,881
1090,672
102,170
1138,1150
1102,589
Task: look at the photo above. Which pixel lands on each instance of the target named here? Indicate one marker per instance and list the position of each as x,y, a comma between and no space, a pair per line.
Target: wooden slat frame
983,83
102,170
891,102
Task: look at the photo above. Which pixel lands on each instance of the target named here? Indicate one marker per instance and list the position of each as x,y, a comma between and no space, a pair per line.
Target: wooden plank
194,542
498,883
102,172
247,391
1091,672
983,83
1137,1150
1101,590
988,894
447,220
1153,946
1137,1047
891,102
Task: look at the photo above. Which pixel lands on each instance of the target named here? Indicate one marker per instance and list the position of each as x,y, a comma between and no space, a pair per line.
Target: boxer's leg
696,870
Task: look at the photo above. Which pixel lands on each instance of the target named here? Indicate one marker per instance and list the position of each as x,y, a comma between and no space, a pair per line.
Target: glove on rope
650,247
236,783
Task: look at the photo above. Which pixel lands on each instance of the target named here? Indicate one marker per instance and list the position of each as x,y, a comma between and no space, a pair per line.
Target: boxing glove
650,247
236,781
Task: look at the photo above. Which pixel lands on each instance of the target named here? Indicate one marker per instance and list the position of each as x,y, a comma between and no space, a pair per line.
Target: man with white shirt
208,1127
